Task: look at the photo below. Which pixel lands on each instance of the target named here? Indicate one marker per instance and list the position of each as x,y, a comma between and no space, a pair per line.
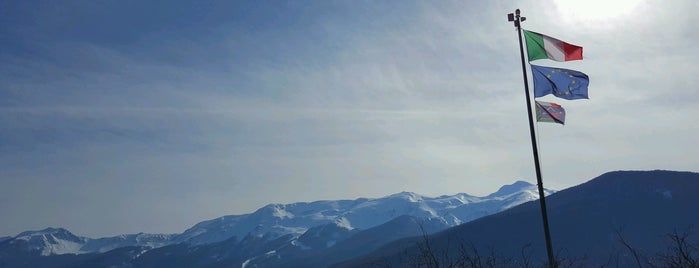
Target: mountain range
274,235
619,219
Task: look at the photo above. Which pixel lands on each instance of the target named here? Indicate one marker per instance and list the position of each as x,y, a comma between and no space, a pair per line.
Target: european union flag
562,83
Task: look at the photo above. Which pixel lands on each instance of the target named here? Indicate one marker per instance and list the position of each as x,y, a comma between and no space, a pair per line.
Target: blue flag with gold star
562,83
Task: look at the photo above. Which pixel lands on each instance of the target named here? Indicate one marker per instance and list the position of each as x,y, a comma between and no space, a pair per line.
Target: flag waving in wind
550,112
562,83
540,46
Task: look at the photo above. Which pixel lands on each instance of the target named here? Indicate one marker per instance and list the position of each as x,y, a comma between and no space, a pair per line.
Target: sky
129,116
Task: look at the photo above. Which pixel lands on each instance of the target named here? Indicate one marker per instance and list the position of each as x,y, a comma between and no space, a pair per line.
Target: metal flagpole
517,19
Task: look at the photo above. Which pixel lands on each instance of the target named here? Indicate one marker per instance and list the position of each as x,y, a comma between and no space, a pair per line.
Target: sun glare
595,11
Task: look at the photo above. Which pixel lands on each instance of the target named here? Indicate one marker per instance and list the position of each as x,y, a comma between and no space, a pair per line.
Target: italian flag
540,46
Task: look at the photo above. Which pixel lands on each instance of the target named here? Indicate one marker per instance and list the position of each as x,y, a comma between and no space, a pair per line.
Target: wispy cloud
200,110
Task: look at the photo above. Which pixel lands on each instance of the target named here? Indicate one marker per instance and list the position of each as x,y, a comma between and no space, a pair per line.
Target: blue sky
125,116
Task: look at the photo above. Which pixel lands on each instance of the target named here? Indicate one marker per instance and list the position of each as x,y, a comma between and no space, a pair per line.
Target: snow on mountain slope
51,241
329,222
141,239
588,220
56,241
275,220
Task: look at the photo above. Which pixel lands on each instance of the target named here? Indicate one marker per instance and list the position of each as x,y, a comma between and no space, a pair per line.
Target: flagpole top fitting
516,18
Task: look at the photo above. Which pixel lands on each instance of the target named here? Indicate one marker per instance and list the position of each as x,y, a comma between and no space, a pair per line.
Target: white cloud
425,98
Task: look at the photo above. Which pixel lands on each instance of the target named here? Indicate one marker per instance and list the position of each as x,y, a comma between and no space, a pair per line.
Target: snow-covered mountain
56,241
141,239
332,233
619,219
276,220
298,234
302,225
50,241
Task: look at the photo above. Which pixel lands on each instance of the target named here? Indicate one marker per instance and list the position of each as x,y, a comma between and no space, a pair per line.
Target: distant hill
587,223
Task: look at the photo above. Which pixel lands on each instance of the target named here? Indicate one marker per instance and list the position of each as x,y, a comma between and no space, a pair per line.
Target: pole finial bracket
516,18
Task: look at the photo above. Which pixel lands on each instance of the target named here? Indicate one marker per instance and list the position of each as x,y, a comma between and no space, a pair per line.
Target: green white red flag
541,46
